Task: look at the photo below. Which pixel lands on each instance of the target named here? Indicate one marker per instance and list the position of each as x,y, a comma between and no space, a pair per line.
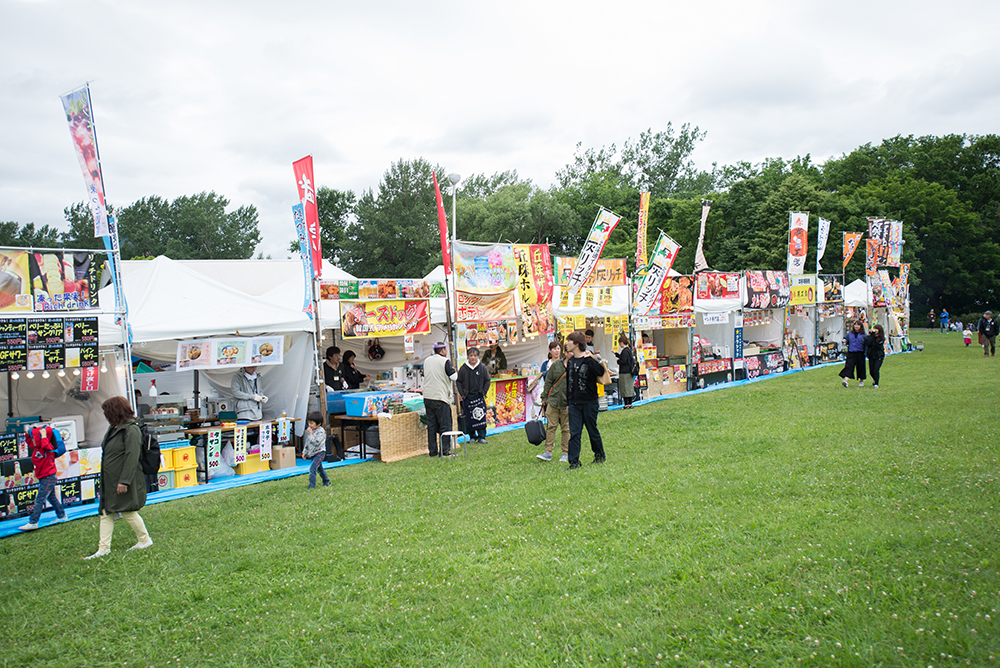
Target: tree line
945,190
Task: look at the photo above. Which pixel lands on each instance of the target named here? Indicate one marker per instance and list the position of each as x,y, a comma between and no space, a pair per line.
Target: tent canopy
856,294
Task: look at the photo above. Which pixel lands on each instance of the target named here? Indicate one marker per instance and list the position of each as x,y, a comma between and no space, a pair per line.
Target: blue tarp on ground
9,527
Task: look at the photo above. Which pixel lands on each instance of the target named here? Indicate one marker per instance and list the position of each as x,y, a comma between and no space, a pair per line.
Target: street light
454,178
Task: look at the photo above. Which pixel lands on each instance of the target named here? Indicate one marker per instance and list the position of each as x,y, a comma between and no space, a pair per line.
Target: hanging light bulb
61,373
104,365
76,372
46,374
31,374
15,375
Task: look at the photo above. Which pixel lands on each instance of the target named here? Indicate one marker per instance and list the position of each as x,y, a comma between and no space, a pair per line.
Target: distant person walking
123,484
583,373
930,320
855,342
988,334
875,350
554,404
626,368
943,320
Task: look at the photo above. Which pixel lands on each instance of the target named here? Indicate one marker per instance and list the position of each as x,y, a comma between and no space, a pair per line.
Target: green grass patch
788,522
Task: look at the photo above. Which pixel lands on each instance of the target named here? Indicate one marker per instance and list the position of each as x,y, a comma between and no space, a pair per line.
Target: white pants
108,528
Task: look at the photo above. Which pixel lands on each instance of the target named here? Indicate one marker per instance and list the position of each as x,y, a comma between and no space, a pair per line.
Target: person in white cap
438,376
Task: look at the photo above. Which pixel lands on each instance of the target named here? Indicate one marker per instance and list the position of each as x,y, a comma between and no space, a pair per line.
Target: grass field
787,522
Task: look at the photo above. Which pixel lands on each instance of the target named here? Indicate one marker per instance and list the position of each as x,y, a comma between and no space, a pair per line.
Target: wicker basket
403,436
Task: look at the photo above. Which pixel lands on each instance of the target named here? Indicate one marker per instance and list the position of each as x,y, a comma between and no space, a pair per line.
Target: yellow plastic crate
183,457
167,460
251,465
186,477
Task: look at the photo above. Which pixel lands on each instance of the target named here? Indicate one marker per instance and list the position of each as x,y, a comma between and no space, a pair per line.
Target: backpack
375,351
149,454
60,444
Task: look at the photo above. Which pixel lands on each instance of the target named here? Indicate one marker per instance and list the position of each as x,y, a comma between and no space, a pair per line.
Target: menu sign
13,344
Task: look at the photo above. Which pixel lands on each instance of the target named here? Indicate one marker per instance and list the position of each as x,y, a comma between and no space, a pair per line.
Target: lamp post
455,179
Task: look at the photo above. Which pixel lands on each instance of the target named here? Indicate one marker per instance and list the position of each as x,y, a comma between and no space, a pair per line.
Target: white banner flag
700,264
821,239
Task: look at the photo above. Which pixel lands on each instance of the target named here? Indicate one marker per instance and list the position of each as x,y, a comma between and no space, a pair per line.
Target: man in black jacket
473,384
988,330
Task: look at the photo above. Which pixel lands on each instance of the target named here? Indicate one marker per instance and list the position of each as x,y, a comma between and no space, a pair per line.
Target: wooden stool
454,440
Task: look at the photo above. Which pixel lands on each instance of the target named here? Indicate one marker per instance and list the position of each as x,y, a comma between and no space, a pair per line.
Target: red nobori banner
484,308
391,317
307,195
81,128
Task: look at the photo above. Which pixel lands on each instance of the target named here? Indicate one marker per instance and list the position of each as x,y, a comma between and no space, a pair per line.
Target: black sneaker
574,465
599,459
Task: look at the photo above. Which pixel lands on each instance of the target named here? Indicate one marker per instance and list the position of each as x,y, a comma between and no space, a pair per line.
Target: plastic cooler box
368,404
335,404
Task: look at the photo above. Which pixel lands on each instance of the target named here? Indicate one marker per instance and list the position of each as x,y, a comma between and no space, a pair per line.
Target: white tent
856,294
169,301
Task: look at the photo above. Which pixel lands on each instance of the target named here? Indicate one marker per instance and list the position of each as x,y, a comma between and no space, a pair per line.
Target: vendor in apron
473,384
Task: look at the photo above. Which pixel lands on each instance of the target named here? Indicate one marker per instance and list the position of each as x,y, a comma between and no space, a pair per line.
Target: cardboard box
282,457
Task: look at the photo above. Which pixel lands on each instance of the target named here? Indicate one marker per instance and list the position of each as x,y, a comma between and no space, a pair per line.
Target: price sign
55,356
13,332
8,447
265,442
284,430
13,358
214,457
46,331
240,444
82,330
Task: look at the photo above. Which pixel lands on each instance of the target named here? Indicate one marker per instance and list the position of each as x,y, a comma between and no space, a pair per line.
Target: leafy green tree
395,231
13,234
335,209
195,227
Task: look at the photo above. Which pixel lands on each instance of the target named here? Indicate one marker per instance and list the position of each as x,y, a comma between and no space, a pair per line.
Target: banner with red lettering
472,307
798,241
307,195
391,317
81,129
534,284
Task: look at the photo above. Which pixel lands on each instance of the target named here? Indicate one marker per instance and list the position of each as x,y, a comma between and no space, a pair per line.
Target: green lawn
787,522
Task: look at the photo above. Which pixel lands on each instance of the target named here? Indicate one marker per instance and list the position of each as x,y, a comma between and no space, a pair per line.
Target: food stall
717,300
664,361
829,318
800,322
767,293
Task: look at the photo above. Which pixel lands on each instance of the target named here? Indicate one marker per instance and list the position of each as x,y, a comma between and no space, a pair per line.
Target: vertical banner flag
798,241
265,442
299,214
640,242
904,287
603,225
878,232
700,264
871,257
307,196
442,227
663,257
822,237
895,243
851,240
81,129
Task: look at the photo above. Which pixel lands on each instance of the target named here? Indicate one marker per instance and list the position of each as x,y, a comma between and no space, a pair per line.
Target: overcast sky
194,96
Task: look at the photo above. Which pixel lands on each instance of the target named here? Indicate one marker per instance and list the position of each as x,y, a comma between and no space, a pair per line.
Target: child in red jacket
43,445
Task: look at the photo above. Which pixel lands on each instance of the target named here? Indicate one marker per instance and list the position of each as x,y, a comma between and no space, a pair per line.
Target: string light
61,373
46,374
104,365
15,375
76,372
31,374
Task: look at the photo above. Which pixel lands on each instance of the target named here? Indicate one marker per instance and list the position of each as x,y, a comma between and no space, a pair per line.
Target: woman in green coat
123,484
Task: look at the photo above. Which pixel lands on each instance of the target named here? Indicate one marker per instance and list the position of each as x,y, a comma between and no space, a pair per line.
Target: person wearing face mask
248,393
473,384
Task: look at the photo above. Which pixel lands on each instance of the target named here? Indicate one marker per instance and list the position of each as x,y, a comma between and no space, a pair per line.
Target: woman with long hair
626,362
123,484
875,349
855,342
